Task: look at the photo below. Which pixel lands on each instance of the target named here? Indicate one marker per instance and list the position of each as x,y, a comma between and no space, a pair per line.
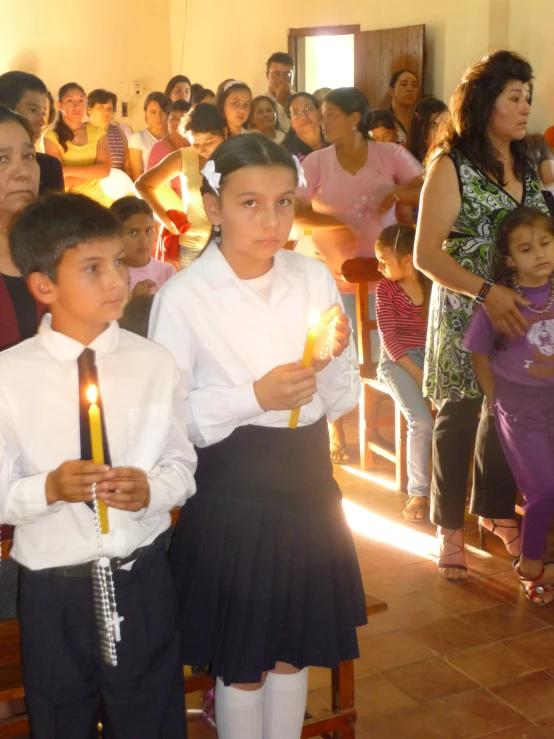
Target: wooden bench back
361,272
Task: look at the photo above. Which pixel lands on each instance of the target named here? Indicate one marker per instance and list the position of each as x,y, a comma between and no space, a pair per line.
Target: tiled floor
448,661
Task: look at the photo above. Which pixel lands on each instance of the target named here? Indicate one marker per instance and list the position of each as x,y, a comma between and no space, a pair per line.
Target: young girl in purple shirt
516,373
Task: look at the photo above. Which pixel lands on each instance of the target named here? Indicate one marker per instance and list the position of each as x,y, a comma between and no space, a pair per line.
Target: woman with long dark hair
403,92
141,142
429,114
234,100
81,148
179,88
305,134
479,171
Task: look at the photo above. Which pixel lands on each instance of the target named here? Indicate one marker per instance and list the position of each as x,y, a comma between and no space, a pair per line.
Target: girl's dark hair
225,89
351,100
156,96
197,92
7,115
52,109
175,80
247,151
396,76
206,118
421,122
522,216
258,99
61,128
471,109
130,206
401,239
312,98
382,118
101,97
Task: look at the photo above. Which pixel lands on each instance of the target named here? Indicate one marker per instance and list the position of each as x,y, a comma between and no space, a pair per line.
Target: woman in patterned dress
479,171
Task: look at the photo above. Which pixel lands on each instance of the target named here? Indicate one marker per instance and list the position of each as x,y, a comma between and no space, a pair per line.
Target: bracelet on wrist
484,291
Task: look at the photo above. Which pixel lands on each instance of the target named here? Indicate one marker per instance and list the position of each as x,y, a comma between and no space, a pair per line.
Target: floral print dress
449,372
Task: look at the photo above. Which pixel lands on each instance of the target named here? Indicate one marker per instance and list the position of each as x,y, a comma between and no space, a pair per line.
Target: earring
354,128
217,229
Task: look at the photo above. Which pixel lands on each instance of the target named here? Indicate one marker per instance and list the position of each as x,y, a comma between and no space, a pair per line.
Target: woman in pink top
174,141
355,183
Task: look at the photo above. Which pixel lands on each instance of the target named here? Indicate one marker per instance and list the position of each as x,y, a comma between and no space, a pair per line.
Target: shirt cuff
243,402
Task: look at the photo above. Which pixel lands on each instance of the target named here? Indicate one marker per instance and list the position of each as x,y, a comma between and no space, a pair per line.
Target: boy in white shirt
71,252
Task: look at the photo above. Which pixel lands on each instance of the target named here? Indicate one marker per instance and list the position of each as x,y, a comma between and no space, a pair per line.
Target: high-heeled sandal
483,531
442,565
536,589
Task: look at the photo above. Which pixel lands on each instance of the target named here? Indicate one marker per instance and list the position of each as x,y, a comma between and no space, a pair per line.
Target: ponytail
63,132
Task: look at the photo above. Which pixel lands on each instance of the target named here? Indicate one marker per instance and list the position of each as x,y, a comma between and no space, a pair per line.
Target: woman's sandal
441,562
417,504
339,453
536,589
483,531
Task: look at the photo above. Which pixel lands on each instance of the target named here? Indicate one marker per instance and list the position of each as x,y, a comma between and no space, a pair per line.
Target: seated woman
428,116
305,134
101,107
179,88
382,127
174,141
81,148
141,142
205,129
404,92
263,119
234,100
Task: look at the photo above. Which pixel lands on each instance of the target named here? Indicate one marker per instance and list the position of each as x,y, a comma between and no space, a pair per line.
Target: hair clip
396,240
212,177
231,83
302,182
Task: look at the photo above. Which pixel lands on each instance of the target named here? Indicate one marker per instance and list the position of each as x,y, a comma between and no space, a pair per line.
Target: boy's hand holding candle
72,481
127,489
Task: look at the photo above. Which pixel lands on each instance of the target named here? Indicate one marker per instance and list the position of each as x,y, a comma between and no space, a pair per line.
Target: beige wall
63,41
223,39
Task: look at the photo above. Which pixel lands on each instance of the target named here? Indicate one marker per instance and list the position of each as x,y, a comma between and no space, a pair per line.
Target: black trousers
457,427
67,684
8,589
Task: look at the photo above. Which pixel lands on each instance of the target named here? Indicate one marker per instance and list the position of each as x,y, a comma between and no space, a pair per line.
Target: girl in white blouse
263,559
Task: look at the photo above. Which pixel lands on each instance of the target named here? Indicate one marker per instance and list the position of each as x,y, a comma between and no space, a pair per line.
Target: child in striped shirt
402,300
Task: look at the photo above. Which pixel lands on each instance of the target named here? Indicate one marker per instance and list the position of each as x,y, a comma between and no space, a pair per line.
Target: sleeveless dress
449,372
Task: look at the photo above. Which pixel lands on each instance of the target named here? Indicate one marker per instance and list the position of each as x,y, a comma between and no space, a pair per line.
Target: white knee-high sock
285,705
238,713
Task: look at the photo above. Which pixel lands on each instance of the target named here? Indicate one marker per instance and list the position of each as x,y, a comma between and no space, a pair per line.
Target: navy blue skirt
263,559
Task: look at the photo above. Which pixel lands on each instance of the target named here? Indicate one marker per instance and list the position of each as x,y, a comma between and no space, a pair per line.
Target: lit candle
97,445
307,358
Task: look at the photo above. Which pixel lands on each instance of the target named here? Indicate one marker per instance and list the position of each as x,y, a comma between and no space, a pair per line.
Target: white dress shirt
39,429
284,122
225,337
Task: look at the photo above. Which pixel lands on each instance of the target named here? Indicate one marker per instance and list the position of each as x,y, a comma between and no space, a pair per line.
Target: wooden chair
340,721
361,272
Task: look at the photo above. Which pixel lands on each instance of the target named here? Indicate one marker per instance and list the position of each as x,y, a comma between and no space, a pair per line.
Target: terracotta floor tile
514,732
531,695
375,695
390,650
462,597
542,732
414,610
490,663
411,723
477,711
537,648
318,677
429,680
380,623
448,635
502,621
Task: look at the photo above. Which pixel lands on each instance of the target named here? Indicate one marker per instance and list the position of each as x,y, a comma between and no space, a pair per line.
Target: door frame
297,50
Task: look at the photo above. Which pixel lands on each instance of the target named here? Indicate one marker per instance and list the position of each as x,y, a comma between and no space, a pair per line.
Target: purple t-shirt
527,360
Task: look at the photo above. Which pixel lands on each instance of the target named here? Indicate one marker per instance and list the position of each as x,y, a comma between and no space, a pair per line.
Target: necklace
535,308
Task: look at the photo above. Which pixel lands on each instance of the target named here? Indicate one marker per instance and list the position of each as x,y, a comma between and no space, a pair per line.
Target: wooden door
378,54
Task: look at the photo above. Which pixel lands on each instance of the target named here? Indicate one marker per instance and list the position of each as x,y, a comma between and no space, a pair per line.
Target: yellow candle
97,445
306,359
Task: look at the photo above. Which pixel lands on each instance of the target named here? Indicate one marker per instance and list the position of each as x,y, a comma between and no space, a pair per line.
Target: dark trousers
66,681
8,589
457,427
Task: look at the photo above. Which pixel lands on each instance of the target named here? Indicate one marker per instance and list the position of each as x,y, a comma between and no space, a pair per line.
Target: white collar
66,349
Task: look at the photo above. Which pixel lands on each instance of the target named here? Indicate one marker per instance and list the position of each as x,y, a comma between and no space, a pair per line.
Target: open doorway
329,61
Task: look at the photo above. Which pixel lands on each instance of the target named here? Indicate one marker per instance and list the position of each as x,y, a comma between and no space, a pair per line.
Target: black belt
116,563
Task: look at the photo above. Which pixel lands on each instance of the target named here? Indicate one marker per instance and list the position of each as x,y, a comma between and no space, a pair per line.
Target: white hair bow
211,175
302,182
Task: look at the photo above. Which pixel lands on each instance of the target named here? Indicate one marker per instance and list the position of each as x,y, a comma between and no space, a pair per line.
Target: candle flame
92,394
313,318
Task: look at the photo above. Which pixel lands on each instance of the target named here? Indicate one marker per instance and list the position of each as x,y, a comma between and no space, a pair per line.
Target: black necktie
88,375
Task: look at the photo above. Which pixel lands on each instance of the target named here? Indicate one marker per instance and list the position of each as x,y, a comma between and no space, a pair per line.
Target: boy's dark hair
206,118
280,57
7,115
401,239
179,105
14,84
101,97
351,100
174,81
130,206
157,97
522,216
312,98
381,118
63,131
48,227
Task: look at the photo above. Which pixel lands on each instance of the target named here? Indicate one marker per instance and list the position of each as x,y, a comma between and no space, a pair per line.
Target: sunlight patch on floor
384,482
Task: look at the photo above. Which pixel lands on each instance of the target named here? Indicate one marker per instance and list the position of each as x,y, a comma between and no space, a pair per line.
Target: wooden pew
340,718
